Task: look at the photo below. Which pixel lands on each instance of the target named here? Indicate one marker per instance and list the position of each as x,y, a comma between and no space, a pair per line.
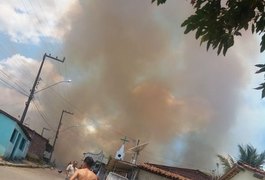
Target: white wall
244,175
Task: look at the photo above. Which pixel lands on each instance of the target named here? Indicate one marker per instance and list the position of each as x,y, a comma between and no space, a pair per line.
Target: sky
134,73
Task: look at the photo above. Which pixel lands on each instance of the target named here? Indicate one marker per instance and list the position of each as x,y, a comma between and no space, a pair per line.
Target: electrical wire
10,79
12,86
43,116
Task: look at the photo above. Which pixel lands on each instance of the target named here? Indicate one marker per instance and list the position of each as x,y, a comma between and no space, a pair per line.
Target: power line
42,23
26,72
5,104
12,86
43,116
37,18
10,79
68,102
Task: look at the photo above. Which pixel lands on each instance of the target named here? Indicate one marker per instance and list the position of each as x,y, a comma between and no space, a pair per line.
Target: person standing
85,173
71,169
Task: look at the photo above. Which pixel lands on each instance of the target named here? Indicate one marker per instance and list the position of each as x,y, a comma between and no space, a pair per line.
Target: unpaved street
14,173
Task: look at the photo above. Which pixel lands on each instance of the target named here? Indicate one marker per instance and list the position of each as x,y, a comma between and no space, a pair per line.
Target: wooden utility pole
57,132
32,91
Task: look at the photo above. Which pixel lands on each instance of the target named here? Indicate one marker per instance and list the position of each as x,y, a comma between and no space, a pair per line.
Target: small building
152,171
15,140
122,169
241,171
100,162
38,146
118,169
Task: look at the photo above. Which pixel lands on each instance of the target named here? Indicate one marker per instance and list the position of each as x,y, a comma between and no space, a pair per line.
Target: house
118,169
100,162
152,171
161,172
38,146
15,140
241,171
122,168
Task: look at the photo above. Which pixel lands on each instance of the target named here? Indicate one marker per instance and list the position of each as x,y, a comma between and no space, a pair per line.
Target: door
12,156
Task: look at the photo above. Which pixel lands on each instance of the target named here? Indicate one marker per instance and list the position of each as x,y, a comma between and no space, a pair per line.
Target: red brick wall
37,145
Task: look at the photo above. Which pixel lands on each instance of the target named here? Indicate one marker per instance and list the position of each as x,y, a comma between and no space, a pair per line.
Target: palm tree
227,162
247,155
250,156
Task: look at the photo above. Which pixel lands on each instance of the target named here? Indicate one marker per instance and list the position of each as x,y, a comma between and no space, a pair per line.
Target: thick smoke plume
136,76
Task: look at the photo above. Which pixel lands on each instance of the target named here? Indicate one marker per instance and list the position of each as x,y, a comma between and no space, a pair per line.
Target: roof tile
175,172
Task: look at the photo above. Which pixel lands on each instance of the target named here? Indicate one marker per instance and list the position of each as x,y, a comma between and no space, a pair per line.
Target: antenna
136,150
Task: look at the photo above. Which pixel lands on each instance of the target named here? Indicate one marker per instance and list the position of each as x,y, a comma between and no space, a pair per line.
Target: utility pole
57,132
32,91
136,154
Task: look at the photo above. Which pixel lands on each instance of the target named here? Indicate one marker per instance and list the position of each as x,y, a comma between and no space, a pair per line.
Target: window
14,135
22,144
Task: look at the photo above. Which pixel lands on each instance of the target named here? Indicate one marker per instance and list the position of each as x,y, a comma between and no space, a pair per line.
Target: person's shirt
84,174
70,170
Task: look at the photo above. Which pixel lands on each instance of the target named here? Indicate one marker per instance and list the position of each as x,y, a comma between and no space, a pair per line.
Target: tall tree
247,154
250,156
217,22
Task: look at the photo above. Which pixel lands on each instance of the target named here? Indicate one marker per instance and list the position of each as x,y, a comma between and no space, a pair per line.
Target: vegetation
217,22
227,162
247,155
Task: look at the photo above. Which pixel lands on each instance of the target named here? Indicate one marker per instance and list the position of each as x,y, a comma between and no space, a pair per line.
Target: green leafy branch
217,22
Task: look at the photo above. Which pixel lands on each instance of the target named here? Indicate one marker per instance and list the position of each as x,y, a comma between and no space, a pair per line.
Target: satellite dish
136,150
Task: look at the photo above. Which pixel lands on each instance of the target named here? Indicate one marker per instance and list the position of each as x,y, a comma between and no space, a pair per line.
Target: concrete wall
6,128
8,148
244,175
145,175
18,153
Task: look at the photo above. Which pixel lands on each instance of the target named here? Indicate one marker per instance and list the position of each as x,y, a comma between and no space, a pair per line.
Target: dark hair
89,161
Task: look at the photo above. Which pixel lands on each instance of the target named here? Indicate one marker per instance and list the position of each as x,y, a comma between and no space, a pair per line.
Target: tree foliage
247,155
159,1
262,85
217,22
250,156
227,162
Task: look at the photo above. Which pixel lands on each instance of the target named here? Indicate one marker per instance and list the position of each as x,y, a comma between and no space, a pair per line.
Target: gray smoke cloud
137,75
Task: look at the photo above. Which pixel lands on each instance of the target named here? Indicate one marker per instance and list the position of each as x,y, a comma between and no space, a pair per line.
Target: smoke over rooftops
136,76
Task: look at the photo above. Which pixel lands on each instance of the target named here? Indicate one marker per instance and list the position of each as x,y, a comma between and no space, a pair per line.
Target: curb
23,165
